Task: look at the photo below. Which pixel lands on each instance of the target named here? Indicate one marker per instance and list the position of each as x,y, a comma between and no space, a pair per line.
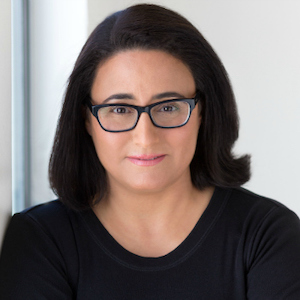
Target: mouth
146,160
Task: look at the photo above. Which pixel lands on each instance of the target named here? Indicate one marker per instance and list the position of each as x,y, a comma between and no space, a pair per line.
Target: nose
145,133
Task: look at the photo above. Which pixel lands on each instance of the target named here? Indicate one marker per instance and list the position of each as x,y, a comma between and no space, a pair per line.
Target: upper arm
31,264
274,258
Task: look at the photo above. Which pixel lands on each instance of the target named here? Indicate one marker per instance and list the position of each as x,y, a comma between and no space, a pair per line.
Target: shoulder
265,224
48,210
247,197
270,242
45,226
250,205
258,220
48,218
49,213
43,241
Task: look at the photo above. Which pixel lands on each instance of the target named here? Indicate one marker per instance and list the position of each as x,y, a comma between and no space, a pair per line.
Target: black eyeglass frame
141,109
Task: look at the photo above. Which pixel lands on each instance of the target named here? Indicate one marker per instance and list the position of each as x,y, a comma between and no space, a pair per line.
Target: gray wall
5,114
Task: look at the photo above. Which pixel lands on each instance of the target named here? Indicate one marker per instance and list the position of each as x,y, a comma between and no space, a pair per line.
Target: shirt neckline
191,243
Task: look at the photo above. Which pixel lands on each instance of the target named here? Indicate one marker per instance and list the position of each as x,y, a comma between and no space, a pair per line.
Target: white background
257,40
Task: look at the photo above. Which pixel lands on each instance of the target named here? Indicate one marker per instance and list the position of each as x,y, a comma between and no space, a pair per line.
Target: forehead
142,71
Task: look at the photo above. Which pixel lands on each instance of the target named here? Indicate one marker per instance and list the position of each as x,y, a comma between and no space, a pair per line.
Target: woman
150,205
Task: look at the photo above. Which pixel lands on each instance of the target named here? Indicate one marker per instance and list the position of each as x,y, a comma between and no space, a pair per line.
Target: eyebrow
126,96
167,95
121,96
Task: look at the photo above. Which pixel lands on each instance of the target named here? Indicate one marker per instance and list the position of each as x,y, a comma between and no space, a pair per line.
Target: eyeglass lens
122,117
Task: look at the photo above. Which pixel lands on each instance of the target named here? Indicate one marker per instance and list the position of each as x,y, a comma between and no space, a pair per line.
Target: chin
147,186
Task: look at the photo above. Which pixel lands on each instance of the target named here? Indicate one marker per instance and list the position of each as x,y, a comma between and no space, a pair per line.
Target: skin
151,206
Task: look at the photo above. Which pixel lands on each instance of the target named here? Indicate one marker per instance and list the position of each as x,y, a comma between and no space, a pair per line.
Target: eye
121,109
168,108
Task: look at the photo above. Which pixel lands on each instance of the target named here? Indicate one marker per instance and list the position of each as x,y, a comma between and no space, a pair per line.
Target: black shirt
243,247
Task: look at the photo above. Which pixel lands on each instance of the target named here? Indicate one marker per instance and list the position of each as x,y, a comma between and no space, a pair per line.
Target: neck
153,223
143,205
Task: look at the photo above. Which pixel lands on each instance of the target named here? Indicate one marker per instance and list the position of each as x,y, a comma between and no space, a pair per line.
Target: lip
146,160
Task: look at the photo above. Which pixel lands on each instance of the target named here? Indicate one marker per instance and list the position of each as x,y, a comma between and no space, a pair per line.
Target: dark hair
75,172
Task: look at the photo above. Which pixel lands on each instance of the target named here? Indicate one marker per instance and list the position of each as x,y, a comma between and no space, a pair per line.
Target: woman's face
147,158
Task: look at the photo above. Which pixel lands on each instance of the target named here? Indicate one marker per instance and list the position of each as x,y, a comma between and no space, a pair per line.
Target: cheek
192,137
184,140
109,146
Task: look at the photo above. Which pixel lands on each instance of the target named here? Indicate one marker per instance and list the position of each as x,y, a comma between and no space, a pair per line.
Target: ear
200,114
199,120
88,120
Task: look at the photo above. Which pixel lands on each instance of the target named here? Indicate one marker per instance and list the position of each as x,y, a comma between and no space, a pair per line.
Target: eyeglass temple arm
89,105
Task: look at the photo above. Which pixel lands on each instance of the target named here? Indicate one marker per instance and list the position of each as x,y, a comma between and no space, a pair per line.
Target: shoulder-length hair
75,172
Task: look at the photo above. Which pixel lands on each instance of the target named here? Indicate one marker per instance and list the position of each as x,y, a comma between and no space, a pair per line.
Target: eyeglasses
124,117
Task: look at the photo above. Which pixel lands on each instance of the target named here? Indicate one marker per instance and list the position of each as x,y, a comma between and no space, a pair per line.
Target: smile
146,160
